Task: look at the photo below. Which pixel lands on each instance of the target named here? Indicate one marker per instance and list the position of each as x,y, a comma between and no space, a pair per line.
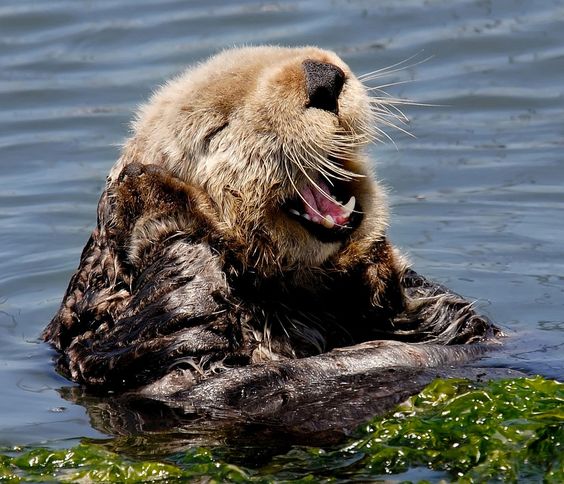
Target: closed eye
212,134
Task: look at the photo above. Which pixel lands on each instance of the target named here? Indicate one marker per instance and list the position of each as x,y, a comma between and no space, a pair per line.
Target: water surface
477,195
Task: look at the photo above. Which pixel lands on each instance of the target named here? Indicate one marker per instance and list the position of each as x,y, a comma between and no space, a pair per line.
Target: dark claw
131,170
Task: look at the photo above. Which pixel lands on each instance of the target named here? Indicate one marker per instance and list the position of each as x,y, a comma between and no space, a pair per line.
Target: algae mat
455,430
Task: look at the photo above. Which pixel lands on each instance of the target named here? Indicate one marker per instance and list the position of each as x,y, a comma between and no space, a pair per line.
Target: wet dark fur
163,305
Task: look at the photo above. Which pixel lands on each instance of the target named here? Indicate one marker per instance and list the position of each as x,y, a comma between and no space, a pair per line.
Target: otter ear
324,82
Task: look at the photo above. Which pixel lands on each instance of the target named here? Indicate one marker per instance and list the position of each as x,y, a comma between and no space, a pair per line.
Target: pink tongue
318,205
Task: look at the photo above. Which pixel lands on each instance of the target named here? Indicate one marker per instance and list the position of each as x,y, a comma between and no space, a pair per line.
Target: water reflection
264,422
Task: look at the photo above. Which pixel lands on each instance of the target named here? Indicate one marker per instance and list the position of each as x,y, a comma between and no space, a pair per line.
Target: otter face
275,137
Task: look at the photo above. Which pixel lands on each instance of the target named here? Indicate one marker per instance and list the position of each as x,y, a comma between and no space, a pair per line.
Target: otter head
274,136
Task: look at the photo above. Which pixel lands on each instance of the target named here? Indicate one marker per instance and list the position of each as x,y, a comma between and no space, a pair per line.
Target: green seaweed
506,430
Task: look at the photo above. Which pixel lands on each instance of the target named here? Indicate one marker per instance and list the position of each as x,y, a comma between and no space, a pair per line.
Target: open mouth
326,209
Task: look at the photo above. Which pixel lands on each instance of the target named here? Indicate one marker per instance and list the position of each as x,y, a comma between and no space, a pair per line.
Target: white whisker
304,172
393,101
324,194
388,123
386,71
386,108
389,84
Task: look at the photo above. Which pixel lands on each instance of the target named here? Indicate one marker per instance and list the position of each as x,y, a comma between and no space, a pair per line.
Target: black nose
324,82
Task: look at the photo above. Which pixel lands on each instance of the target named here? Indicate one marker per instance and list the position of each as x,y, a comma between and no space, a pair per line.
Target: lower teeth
328,222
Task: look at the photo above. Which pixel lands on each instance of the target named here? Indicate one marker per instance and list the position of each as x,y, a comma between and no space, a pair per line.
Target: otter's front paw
145,191
134,170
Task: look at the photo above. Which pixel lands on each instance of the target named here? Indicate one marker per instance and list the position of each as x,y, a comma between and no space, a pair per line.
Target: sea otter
241,244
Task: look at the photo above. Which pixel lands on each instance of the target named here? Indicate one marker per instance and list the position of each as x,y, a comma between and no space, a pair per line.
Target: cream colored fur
232,126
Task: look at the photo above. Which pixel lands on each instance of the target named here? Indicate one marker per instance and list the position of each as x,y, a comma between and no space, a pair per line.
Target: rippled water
477,195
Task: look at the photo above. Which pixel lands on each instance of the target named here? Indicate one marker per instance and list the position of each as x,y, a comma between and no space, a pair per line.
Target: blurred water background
477,195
